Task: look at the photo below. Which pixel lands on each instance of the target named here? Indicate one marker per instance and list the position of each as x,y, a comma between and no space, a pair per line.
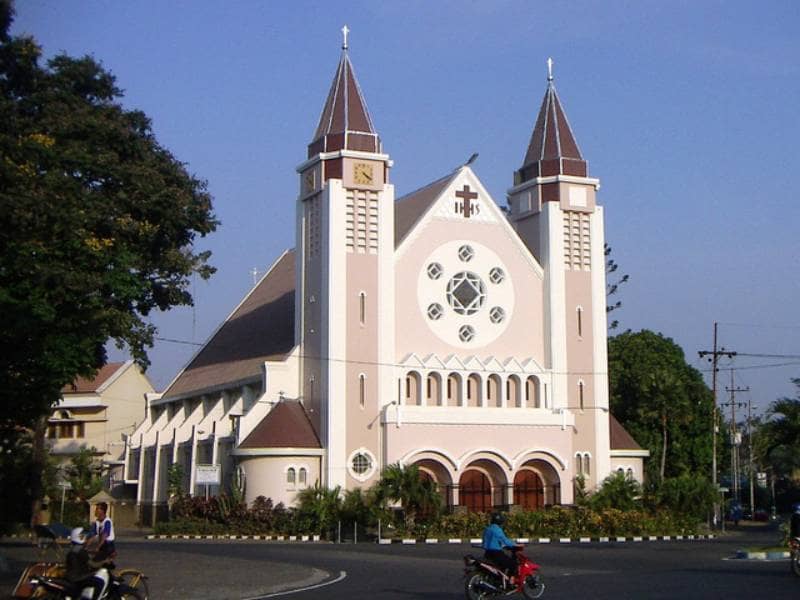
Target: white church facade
435,329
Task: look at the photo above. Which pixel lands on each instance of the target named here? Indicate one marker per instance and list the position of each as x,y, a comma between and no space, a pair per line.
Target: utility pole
750,456
735,438
715,354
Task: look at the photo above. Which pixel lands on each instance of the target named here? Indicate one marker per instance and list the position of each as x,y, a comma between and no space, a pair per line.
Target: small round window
435,311
435,270
361,463
466,333
465,253
497,315
496,275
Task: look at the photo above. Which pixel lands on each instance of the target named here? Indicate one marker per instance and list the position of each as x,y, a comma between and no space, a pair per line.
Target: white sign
762,480
207,474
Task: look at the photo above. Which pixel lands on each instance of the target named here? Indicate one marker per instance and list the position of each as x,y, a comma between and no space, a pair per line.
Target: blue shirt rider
494,543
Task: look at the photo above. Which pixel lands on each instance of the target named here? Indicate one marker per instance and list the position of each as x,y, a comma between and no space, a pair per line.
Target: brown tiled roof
409,208
345,120
620,439
83,386
260,329
552,149
285,426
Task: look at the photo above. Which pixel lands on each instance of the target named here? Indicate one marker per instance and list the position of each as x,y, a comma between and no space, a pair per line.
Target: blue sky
686,111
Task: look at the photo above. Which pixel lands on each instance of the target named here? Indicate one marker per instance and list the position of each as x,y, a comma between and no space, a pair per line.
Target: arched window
362,390
362,308
290,476
580,394
578,464
579,315
587,464
302,476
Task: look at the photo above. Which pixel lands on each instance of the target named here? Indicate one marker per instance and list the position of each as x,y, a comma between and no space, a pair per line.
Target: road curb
429,541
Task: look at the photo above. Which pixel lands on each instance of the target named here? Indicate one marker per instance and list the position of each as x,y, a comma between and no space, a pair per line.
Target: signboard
761,478
207,474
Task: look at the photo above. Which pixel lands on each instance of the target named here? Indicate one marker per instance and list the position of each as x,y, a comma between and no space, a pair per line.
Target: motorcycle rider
103,530
82,572
494,543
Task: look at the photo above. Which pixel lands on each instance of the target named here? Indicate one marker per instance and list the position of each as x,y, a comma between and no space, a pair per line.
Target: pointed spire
345,122
552,149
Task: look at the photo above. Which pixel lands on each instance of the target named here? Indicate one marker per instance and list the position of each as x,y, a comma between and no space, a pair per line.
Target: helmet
76,536
498,519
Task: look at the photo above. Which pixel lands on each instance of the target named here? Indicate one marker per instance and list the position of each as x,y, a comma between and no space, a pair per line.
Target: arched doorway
528,490
475,491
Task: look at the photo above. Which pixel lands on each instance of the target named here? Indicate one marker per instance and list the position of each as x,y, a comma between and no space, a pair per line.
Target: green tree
415,493
319,507
618,491
777,439
662,401
84,473
98,224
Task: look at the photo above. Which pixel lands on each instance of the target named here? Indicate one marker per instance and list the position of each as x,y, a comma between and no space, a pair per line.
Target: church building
434,329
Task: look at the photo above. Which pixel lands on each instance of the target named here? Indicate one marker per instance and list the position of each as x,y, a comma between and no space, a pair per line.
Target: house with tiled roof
99,413
435,329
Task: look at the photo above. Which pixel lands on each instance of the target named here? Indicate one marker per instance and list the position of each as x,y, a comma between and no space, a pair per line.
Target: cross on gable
466,206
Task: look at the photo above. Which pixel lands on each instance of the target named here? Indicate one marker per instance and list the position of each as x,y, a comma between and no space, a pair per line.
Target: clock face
363,174
465,294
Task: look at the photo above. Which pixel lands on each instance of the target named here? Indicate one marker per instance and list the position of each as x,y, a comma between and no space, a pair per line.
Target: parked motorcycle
794,556
483,579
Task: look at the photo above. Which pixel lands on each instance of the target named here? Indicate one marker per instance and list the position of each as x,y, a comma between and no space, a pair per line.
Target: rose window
466,293
361,463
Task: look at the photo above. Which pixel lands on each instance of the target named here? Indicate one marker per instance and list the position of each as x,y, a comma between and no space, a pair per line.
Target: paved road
248,570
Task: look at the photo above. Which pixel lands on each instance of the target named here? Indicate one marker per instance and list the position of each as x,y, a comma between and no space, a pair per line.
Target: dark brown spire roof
345,122
552,149
620,438
261,328
285,426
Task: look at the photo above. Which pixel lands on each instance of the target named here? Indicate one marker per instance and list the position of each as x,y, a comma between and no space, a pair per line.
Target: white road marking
342,575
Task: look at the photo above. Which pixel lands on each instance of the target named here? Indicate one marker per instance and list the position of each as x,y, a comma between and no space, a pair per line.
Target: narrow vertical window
362,308
508,389
80,430
579,314
302,477
488,389
311,390
428,387
578,465
587,464
580,394
290,476
408,387
469,389
362,390
449,388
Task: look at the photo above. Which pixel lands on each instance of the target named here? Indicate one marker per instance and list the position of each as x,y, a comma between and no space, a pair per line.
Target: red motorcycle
483,579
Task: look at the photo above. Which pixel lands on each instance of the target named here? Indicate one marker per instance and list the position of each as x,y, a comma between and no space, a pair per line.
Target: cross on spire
345,31
549,69
466,206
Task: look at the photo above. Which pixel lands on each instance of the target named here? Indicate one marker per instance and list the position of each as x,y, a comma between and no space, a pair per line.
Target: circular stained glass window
435,270
497,275
466,293
466,333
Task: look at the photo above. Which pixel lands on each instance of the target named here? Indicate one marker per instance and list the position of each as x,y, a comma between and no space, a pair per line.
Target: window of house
290,476
302,476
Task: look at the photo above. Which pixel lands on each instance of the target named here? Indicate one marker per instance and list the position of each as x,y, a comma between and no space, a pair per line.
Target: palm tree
320,506
408,486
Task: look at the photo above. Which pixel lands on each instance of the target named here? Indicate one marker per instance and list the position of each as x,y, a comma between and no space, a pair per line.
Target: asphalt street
249,570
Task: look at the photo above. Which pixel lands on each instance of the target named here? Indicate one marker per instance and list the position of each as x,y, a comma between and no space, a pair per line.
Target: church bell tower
345,233
553,206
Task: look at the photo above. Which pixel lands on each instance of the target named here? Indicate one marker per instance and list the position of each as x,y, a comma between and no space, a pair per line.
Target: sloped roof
620,438
85,386
553,149
409,208
260,329
345,120
285,426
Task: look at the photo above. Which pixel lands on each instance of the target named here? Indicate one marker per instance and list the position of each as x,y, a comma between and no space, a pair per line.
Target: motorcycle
128,584
483,579
794,555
